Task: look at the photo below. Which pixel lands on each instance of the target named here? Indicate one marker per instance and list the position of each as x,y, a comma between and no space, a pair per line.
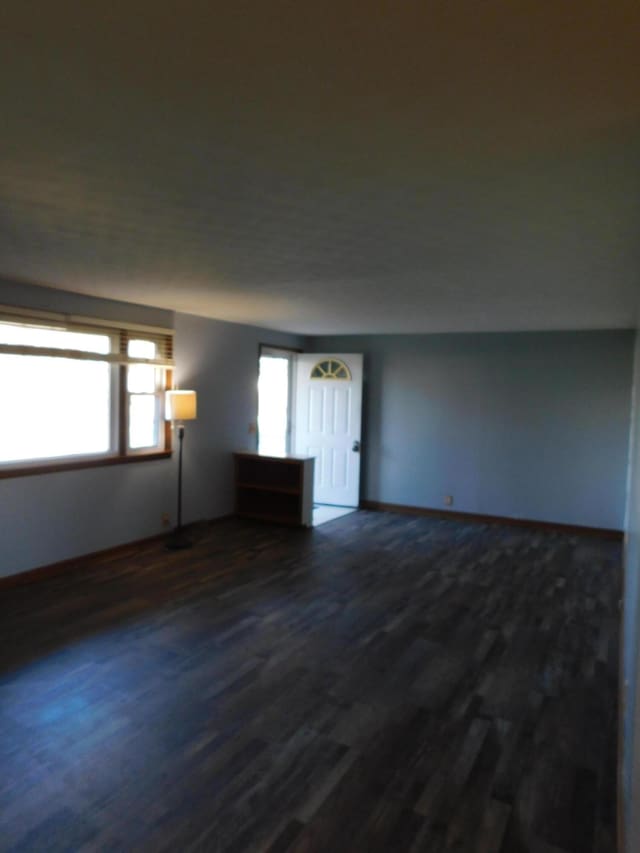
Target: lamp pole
180,439
177,540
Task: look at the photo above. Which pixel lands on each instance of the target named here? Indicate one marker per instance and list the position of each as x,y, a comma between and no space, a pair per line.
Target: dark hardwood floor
380,683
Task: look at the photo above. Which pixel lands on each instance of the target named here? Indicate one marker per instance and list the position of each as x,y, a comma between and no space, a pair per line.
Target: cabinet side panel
307,492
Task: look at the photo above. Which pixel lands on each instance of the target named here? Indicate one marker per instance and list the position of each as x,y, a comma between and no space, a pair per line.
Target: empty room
319,427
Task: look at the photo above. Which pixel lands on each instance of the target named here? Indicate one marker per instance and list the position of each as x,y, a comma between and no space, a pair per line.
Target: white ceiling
319,167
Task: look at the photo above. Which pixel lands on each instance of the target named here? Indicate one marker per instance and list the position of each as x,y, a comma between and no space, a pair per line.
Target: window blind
120,335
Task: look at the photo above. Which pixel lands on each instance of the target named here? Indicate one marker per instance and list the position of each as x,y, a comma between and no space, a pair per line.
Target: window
331,368
274,400
78,391
145,387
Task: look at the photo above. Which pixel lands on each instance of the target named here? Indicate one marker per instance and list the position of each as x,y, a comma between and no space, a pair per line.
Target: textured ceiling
320,167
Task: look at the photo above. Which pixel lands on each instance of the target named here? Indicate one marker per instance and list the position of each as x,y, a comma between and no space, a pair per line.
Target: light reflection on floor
323,513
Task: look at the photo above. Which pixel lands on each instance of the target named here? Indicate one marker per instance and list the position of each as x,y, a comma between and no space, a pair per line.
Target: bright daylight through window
145,388
273,403
71,391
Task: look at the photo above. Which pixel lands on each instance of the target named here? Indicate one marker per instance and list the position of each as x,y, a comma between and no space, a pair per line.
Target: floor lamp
180,406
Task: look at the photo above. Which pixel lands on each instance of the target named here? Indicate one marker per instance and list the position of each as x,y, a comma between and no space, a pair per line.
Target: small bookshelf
275,488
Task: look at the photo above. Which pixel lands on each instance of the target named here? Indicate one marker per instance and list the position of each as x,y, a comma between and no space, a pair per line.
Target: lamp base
177,541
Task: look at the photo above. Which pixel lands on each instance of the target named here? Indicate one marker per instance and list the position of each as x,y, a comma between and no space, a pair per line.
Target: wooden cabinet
275,488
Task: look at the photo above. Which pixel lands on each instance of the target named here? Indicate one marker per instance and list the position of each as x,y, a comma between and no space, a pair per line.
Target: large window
72,391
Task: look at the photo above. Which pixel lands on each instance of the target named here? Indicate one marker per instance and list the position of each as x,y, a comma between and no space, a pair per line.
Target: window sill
27,470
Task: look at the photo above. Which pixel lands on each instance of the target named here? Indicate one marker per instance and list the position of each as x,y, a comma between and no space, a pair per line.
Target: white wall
57,516
530,425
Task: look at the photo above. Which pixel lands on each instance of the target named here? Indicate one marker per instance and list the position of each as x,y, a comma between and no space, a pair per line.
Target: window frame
118,358
160,387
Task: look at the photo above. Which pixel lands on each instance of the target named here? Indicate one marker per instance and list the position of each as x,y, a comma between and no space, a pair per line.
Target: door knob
356,447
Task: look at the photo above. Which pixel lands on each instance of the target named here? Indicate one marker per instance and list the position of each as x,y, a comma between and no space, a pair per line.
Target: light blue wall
631,633
529,425
58,516
220,361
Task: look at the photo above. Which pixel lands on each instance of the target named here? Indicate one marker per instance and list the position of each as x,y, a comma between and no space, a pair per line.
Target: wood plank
384,682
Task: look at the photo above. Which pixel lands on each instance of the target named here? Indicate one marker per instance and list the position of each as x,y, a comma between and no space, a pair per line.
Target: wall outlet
448,500
165,518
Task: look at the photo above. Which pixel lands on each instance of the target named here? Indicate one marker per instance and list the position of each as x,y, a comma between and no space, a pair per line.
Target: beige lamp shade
181,405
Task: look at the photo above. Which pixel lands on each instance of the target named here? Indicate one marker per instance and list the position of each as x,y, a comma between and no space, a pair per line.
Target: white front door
327,424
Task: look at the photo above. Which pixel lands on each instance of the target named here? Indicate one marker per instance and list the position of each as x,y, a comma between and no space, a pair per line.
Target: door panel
341,411
339,478
316,410
327,423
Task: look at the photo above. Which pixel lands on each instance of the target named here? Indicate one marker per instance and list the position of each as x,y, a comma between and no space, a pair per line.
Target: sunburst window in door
331,368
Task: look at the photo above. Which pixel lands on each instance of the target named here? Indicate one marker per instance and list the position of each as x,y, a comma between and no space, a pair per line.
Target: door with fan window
327,424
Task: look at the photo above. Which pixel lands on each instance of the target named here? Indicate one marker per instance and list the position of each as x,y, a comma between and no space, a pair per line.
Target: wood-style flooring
379,683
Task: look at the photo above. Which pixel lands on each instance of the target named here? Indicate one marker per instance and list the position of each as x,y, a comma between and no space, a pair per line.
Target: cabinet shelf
260,487
275,489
